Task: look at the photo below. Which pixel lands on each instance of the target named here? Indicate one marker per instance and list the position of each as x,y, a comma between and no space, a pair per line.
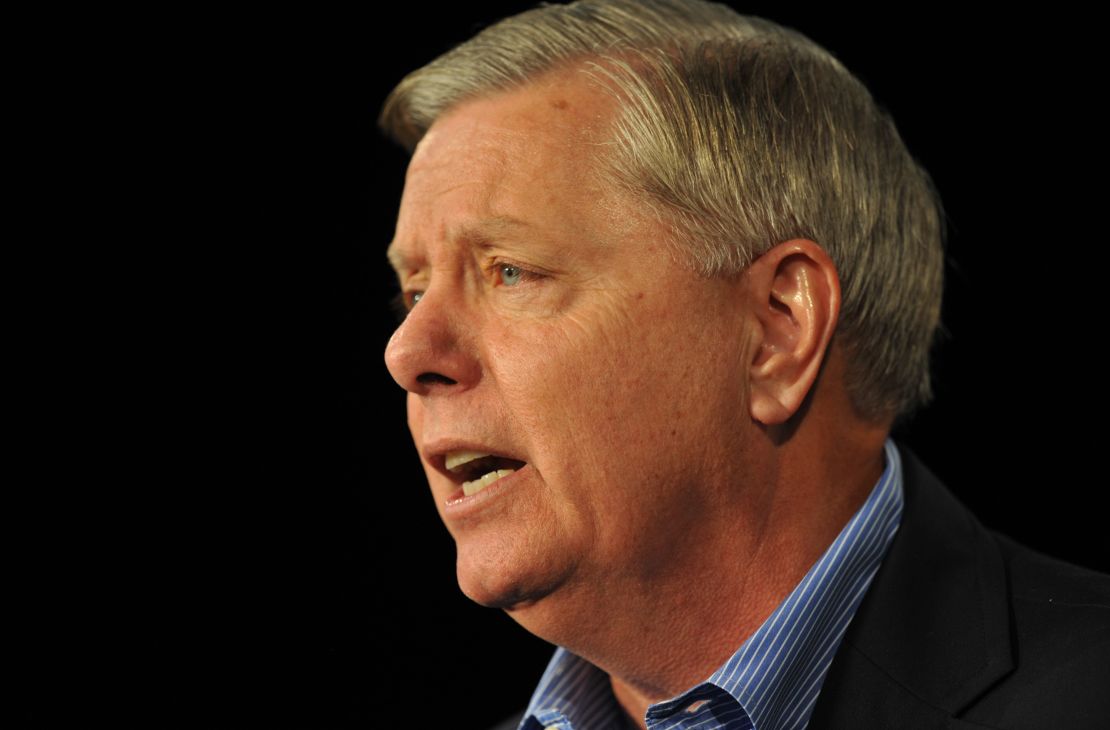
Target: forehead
561,111
521,158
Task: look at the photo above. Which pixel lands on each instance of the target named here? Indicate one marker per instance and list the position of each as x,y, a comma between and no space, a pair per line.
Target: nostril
430,378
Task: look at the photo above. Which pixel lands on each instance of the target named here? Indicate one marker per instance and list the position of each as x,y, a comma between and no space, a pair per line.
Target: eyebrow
481,232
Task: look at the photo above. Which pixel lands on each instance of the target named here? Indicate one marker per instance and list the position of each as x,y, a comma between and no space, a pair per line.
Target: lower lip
459,506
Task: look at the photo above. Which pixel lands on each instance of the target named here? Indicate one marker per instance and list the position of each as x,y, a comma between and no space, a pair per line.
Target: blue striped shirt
773,679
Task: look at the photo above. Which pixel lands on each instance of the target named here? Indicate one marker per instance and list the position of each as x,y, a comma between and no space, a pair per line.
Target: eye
510,275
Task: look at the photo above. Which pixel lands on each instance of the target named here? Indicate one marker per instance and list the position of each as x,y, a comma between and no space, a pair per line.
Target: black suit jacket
963,628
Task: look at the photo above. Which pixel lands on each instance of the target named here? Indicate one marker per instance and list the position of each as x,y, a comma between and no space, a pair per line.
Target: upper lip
436,455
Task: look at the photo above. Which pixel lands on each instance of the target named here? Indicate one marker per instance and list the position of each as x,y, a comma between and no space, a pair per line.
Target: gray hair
741,134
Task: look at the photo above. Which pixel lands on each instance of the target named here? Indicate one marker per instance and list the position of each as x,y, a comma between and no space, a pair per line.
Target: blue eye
510,275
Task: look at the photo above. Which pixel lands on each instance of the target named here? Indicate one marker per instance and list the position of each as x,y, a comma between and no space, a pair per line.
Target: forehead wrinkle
480,232
486,229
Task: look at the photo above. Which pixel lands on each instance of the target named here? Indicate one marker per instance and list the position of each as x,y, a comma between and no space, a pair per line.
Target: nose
432,349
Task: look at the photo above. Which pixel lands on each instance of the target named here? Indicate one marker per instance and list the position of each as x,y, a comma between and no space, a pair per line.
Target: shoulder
1060,632
1043,581
1050,622
1043,592
963,625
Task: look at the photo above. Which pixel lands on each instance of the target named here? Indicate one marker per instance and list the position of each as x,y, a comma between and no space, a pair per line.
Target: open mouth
478,470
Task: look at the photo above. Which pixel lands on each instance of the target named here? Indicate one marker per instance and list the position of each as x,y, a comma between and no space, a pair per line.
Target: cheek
559,381
556,375
587,390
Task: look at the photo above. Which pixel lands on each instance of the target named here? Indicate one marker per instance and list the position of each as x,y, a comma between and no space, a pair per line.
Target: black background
219,534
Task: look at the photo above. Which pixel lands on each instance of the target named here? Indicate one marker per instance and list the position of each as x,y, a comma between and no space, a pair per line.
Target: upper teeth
457,458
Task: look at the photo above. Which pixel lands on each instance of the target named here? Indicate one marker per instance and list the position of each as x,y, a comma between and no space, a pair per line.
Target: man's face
555,332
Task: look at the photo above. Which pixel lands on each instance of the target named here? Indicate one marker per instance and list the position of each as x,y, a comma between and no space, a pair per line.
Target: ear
795,301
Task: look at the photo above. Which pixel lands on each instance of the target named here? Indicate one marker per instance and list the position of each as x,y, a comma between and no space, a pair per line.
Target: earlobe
794,295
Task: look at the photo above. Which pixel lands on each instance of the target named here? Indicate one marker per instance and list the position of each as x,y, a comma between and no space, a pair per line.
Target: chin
500,591
512,599
501,582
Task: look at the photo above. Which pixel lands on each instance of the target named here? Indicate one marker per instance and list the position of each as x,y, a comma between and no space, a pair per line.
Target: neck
660,632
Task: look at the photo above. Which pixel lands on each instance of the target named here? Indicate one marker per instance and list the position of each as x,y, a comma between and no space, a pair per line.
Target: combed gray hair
741,134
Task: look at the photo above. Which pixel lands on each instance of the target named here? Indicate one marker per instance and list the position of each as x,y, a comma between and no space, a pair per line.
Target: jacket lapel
932,633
